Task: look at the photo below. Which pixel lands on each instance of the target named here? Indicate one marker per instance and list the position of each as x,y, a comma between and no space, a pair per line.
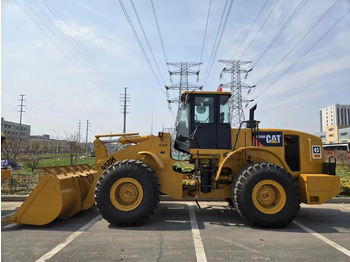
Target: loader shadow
70,225
175,217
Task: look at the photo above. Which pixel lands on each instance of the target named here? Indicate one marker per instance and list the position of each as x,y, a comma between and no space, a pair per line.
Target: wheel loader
264,173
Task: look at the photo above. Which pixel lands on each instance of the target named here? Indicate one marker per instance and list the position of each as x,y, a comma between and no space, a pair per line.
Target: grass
21,181
64,160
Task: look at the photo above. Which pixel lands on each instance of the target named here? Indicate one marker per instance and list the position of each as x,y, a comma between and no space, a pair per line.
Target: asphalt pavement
179,231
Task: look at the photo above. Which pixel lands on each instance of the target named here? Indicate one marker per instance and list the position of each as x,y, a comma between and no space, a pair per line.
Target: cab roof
203,93
206,93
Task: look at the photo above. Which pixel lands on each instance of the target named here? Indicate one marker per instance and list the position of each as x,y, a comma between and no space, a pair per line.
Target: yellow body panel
318,188
59,194
5,174
153,151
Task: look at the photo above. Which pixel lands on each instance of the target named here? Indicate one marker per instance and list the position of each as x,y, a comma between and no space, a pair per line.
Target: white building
335,115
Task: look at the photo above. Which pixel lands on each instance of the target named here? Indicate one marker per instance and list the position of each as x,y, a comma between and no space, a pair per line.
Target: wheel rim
269,196
126,194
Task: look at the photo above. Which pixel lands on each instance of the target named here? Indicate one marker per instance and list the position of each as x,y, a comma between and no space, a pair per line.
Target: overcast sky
72,59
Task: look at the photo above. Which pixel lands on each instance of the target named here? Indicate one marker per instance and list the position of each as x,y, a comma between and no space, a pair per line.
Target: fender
282,163
155,158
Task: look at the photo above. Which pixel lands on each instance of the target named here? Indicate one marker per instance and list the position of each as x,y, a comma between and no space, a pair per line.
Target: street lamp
58,137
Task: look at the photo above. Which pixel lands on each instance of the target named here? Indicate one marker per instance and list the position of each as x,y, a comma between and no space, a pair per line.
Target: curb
19,198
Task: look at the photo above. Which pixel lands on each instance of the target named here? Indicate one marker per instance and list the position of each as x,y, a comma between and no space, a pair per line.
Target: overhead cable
306,52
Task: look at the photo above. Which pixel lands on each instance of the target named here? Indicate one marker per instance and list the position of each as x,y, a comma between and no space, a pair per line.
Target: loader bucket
59,194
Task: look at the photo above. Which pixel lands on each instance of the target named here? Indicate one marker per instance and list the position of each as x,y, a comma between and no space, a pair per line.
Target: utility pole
183,71
236,85
21,111
124,100
87,135
79,131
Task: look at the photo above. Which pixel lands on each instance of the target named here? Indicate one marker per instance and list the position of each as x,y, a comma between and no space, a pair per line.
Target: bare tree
32,161
12,148
74,148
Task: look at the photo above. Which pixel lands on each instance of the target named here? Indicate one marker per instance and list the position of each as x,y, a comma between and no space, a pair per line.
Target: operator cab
204,121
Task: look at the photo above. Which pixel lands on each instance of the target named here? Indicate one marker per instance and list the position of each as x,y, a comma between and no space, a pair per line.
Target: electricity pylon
184,70
236,86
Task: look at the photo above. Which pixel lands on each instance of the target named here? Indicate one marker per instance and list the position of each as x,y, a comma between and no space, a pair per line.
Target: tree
32,161
13,148
74,148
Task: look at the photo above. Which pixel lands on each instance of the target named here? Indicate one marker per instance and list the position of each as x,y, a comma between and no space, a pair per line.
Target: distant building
335,115
12,129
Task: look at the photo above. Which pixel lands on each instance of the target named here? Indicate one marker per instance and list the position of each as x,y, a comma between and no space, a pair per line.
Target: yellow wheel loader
264,173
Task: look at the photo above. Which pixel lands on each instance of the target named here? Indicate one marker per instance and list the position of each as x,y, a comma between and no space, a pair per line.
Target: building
335,115
12,129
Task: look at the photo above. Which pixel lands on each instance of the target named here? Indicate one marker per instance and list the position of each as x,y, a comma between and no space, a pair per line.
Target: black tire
261,178
138,181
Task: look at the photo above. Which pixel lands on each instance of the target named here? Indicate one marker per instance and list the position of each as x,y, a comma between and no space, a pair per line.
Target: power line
300,40
60,17
261,26
307,51
159,33
280,32
58,42
68,43
217,43
205,31
250,28
140,44
148,44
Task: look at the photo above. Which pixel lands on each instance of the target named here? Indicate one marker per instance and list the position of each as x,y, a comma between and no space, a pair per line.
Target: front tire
266,195
127,193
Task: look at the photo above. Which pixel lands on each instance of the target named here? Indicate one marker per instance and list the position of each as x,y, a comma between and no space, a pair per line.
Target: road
179,231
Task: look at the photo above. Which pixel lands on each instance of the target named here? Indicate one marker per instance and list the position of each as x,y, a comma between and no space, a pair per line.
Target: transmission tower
124,106
183,71
236,86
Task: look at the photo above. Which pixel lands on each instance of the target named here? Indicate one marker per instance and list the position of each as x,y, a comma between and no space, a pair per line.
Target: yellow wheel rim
126,194
269,196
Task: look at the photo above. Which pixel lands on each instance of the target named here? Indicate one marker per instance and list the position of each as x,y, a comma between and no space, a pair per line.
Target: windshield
182,143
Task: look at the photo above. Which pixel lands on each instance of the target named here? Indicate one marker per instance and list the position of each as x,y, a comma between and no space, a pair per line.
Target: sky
72,60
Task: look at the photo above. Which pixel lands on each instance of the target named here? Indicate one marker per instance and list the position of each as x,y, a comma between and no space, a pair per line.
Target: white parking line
8,215
12,226
324,239
198,244
73,236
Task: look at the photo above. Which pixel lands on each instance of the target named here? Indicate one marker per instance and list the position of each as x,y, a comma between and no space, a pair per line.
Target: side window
291,152
204,110
224,109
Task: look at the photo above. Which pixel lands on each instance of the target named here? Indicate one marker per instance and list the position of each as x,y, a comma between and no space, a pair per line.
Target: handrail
123,134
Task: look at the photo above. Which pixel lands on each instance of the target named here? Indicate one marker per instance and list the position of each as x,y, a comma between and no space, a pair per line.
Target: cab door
210,125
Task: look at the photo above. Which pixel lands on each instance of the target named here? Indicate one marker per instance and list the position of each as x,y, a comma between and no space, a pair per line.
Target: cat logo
268,139
273,139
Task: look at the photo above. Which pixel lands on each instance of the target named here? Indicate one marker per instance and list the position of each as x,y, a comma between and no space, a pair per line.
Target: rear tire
266,195
127,193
